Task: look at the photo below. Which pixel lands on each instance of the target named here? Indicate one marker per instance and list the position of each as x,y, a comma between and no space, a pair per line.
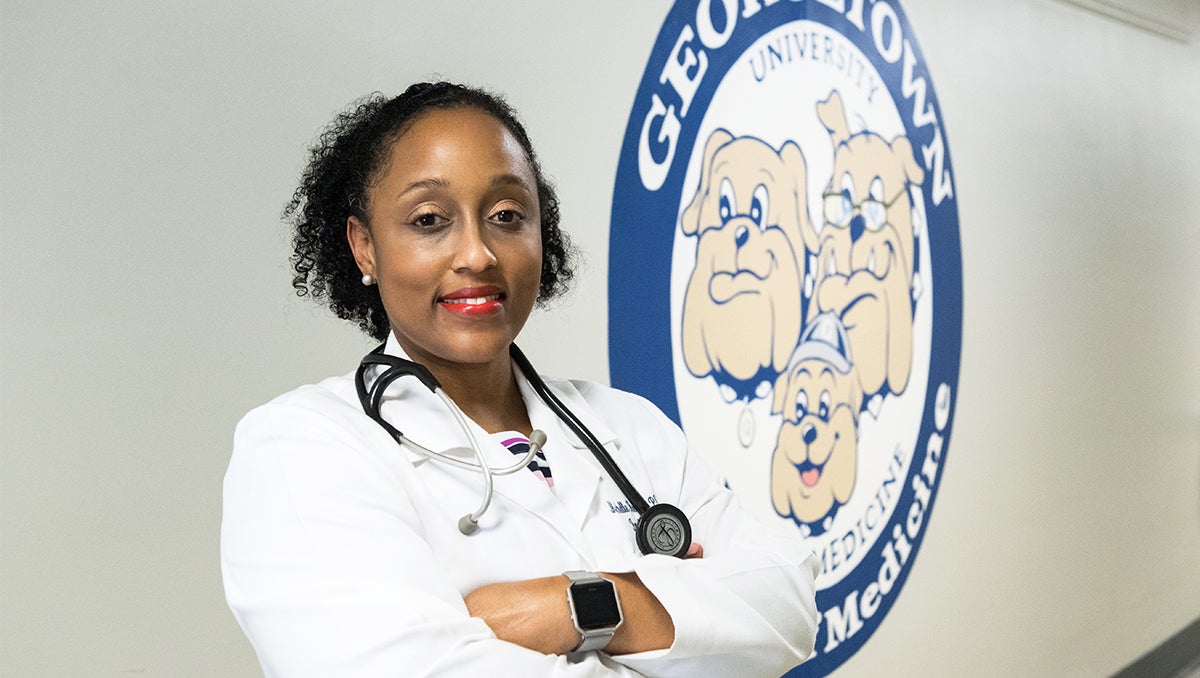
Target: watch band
595,609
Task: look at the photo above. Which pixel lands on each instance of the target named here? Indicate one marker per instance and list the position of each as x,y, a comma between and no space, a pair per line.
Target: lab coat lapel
424,418
577,473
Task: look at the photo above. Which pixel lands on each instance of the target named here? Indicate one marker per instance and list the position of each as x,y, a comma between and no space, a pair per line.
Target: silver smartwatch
595,609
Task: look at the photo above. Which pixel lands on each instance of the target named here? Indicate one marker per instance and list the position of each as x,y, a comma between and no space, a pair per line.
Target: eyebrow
762,170
440,182
432,182
508,180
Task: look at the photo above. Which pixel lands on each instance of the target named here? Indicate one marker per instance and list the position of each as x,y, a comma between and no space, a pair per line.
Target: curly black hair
349,156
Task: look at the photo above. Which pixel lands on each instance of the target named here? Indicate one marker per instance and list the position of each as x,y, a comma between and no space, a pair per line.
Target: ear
833,116
361,244
856,398
690,222
903,149
780,393
793,160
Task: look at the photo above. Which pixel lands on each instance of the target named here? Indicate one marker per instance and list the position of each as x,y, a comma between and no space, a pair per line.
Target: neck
488,393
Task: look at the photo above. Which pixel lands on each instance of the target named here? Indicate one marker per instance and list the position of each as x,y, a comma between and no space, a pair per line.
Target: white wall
147,148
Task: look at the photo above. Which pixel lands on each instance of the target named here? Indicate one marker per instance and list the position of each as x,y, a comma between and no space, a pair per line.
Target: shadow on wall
1178,657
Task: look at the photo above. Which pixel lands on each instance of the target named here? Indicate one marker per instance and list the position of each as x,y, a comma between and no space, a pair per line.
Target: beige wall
146,150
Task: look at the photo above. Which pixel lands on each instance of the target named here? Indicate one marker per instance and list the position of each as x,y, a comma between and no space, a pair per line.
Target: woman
426,220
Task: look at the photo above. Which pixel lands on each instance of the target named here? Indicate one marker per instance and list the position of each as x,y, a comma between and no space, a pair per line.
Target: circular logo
665,535
785,278
664,529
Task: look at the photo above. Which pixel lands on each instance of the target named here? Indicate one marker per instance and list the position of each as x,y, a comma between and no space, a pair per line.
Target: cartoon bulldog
866,248
816,455
742,311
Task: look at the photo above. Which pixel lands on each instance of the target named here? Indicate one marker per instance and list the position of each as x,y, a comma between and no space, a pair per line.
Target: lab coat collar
424,418
547,421
573,399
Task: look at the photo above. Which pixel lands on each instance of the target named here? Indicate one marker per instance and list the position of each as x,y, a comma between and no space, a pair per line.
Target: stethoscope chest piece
664,529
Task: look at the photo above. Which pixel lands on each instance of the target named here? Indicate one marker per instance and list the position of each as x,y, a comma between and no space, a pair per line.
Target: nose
472,252
808,433
741,236
857,226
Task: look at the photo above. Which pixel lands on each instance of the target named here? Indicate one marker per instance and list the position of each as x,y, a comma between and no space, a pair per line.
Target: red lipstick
473,301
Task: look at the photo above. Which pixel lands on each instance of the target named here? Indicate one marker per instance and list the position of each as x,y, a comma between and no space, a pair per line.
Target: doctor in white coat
425,218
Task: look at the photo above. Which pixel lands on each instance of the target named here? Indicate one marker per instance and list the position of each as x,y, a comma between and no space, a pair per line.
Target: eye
874,214
727,202
758,206
848,187
839,207
508,217
876,190
428,220
823,408
801,405
836,207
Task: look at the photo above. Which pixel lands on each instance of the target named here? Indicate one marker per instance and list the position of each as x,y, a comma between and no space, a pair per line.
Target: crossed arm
327,574
534,614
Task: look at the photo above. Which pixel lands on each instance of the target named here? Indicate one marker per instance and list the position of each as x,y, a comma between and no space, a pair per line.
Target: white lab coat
341,553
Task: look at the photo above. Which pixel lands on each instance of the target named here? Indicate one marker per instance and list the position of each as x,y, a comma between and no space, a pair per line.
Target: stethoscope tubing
661,528
372,401
582,432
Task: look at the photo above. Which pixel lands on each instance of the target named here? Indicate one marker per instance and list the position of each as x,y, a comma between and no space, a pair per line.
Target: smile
473,302
810,473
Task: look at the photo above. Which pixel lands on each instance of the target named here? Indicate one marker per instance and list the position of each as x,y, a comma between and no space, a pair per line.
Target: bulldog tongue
810,476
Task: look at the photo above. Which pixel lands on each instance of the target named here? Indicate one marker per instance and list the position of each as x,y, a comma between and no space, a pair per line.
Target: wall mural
785,278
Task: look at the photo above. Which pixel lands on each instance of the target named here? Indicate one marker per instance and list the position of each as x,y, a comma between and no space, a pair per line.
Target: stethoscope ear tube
396,368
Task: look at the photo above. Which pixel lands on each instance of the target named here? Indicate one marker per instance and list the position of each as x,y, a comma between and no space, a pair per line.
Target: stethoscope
661,528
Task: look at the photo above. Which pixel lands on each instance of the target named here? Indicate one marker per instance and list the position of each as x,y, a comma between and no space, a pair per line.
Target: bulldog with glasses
865,249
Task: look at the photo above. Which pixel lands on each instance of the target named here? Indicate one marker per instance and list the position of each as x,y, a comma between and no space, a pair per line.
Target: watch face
595,605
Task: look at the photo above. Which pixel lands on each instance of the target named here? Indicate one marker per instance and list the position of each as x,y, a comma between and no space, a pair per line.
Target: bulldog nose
809,433
857,226
741,236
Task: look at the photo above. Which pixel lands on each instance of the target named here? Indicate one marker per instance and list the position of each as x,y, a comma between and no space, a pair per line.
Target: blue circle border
642,235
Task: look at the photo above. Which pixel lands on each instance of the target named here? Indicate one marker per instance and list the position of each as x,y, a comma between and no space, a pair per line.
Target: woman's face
453,238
